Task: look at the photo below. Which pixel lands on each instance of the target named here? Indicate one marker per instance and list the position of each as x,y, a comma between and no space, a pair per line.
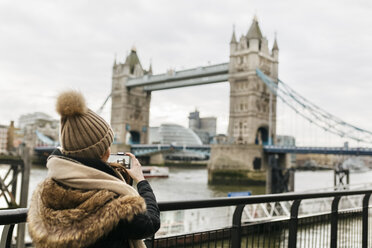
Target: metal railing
8,219
337,228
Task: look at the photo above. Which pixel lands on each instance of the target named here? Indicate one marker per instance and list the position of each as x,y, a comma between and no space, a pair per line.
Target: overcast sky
47,46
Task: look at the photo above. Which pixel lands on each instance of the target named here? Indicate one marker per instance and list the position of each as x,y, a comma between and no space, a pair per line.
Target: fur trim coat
61,216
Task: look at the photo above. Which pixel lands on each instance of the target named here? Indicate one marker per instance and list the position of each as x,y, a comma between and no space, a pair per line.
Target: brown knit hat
83,133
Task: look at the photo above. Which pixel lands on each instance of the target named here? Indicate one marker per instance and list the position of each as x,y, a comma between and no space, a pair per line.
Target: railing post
365,220
6,236
236,227
24,194
334,221
293,224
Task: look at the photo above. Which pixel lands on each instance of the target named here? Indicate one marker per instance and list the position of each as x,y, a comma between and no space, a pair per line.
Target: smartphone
120,158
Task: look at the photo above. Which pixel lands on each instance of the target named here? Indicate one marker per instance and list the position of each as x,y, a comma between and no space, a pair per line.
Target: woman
84,202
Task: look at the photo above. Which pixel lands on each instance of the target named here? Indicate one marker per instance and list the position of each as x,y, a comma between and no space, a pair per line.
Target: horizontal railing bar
13,216
226,201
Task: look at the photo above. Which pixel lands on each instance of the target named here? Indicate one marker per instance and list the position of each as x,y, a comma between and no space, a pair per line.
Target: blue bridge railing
141,150
146,149
361,151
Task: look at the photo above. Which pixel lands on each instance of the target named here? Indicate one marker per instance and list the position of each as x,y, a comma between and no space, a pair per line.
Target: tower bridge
252,117
252,73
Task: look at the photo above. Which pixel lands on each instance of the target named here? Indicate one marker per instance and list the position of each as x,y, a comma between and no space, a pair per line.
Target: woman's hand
135,170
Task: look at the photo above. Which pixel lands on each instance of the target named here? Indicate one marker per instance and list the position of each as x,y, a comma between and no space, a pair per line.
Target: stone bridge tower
130,107
252,120
252,112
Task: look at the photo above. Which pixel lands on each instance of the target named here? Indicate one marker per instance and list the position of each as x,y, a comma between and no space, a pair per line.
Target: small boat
155,171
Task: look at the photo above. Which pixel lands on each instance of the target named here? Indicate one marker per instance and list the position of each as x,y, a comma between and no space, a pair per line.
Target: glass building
173,134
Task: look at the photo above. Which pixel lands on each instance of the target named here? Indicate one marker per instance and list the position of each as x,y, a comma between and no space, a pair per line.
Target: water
187,184
191,183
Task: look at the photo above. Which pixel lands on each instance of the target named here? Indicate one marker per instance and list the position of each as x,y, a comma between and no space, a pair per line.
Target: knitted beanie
83,133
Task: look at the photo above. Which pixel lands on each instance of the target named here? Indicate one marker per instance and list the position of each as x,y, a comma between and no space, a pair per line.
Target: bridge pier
157,159
237,164
279,173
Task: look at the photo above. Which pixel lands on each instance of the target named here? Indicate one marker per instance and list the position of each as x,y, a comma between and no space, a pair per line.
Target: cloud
325,51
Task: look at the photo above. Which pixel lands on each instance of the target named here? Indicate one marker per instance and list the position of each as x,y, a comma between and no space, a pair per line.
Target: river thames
191,183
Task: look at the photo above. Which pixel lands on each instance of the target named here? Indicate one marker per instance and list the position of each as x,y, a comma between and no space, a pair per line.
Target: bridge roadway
141,150
176,79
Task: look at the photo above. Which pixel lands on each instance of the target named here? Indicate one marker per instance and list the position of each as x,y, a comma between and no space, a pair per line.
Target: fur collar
61,216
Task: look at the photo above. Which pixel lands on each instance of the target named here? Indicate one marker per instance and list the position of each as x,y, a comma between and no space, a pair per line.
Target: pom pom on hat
83,133
71,103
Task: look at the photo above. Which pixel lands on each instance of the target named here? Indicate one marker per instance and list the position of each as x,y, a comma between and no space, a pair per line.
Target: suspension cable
313,113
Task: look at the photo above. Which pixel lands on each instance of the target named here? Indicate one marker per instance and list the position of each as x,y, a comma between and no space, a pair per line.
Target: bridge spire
233,37
132,60
115,60
233,42
254,31
275,55
275,46
150,68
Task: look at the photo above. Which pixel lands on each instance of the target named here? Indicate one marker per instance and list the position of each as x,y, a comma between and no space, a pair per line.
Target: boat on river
155,171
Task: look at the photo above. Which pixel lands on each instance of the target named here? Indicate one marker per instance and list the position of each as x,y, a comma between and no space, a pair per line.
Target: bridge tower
130,107
249,121
252,119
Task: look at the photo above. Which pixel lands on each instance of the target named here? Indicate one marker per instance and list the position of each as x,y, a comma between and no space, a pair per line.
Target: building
27,119
10,138
204,127
220,139
39,130
41,133
173,134
154,136
3,138
285,140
